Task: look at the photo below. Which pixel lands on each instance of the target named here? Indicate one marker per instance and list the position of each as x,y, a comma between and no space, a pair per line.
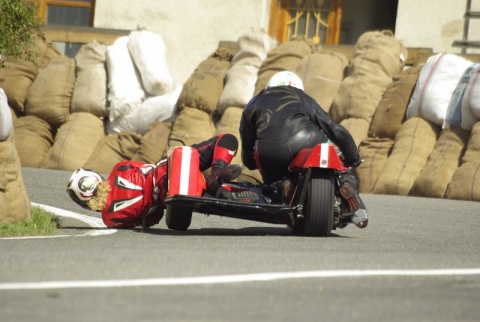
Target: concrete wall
191,29
434,23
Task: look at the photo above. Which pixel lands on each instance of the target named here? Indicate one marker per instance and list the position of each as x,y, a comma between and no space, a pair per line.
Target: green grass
43,223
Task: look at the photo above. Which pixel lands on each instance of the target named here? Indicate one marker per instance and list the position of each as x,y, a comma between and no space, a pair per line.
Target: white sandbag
125,91
156,108
6,123
242,76
436,83
147,50
454,111
471,101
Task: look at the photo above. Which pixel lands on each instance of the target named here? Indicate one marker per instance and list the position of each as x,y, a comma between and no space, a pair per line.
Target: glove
353,163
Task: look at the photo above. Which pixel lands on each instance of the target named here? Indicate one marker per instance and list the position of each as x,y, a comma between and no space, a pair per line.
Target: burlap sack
16,79
154,142
112,149
74,142
357,127
390,112
50,95
441,163
322,74
377,57
242,75
192,125
374,153
413,144
33,139
44,51
16,196
203,88
286,56
4,204
464,184
90,91
230,123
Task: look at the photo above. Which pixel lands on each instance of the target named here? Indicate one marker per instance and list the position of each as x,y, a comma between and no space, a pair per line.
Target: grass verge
43,223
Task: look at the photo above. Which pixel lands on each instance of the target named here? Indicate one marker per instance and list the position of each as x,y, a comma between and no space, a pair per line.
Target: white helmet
285,78
82,185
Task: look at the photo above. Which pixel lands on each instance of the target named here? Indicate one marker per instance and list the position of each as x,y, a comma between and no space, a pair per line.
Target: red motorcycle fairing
322,155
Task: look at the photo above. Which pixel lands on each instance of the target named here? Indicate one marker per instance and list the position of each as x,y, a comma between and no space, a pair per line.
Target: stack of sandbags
74,142
436,84
199,98
441,163
50,94
90,91
33,139
154,143
387,119
112,149
322,74
14,201
377,58
286,56
413,144
242,75
464,183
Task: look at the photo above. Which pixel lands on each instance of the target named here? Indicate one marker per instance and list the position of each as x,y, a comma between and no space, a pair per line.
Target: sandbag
390,112
358,128
377,58
155,108
191,126
322,74
16,197
241,77
74,142
374,153
471,100
17,77
154,143
441,163
90,91
436,83
413,144
33,140
286,56
203,88
112,149
148,53
6,122
125,90
50,95
45,50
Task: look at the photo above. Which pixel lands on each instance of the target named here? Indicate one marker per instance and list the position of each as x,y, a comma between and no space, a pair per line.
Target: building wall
191,29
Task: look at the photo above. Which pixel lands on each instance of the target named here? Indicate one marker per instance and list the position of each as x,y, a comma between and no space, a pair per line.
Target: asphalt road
418,260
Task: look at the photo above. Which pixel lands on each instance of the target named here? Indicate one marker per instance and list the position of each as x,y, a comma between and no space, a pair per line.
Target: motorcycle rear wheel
319,204
178,218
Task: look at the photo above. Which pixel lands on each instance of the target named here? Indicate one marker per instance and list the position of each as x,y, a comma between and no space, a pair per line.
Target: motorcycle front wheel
178,217
319,204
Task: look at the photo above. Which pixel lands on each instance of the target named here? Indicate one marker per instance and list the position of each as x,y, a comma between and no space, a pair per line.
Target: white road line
91,221
220,279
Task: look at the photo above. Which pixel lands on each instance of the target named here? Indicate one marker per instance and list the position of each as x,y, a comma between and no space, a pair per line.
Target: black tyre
319,204
178,218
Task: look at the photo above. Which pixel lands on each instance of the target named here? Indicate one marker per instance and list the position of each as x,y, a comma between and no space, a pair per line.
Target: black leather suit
279,122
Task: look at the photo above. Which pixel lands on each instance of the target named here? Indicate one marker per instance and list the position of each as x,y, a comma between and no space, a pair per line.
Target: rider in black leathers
282,120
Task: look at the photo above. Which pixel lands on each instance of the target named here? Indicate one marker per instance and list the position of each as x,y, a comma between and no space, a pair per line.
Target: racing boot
357,209
240,196
221,173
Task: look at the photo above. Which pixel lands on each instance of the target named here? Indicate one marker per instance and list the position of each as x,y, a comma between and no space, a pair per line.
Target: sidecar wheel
178,218
319,204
